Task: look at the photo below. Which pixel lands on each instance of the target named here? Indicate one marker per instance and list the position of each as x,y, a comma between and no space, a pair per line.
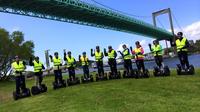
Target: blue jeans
86,71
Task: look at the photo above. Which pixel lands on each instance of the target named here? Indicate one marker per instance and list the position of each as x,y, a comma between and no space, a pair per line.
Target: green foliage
11,45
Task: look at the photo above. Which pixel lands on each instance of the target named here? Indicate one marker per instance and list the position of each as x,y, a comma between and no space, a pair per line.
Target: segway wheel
155,71
91,78
136,74
28,92
191,70
15,96
119,75
35,90
146,74
44,88
54,86
166,71
178,69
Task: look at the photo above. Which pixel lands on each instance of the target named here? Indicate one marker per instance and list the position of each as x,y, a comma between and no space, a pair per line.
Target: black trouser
113,66
140,65
58,76
71,71
39,77
183,57
159,61
128,65
86,71
20,84
100,68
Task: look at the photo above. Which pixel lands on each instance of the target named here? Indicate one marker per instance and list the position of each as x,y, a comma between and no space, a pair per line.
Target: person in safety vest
182,45
85,65
57,63
139,56
19,67
111,59
99,60
71,64
38,67
127,59
157,51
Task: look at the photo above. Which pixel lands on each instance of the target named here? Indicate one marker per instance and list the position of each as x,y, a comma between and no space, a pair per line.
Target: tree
10,46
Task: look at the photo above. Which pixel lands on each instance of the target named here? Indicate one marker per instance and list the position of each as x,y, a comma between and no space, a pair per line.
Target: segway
144,74
35,90
24,94
182,71
132,74
161,72
114,76
101,78
71,82
87,80
59,85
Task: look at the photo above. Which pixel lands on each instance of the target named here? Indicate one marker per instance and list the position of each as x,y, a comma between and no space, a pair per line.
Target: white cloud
192,32
16,28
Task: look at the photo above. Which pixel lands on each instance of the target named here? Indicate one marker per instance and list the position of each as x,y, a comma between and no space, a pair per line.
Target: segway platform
27,93
73,82
101,78
88,80
144,74
59,85
35,90
181,71
159,73
112,76
132,74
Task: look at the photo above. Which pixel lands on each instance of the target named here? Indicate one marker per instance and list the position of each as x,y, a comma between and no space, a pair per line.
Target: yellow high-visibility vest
98,56
18,67
111,55
70,61
126,54
157,50
57,61
181,44
84,61
37,66
139,56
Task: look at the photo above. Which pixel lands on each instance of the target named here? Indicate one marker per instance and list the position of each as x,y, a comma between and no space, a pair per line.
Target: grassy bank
174,93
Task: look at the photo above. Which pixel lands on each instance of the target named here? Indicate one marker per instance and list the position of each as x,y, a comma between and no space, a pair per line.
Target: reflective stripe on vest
56,61
139,56
126,54
37,66
84,61
18,67
70,61
157,50
98,56
181,44
111,55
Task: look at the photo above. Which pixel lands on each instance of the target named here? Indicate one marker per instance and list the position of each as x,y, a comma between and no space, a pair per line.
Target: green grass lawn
163,94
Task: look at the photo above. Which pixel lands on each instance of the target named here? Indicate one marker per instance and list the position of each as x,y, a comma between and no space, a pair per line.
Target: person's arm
105,52
31,61
51,58
102,56
65,59
115,54
187,44
120,53
92,54
43,67
79,58
150,48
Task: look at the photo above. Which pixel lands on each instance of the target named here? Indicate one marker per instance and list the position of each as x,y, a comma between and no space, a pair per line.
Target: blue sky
56,36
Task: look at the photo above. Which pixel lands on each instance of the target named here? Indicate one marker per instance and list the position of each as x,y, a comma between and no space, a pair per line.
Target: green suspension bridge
78,12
